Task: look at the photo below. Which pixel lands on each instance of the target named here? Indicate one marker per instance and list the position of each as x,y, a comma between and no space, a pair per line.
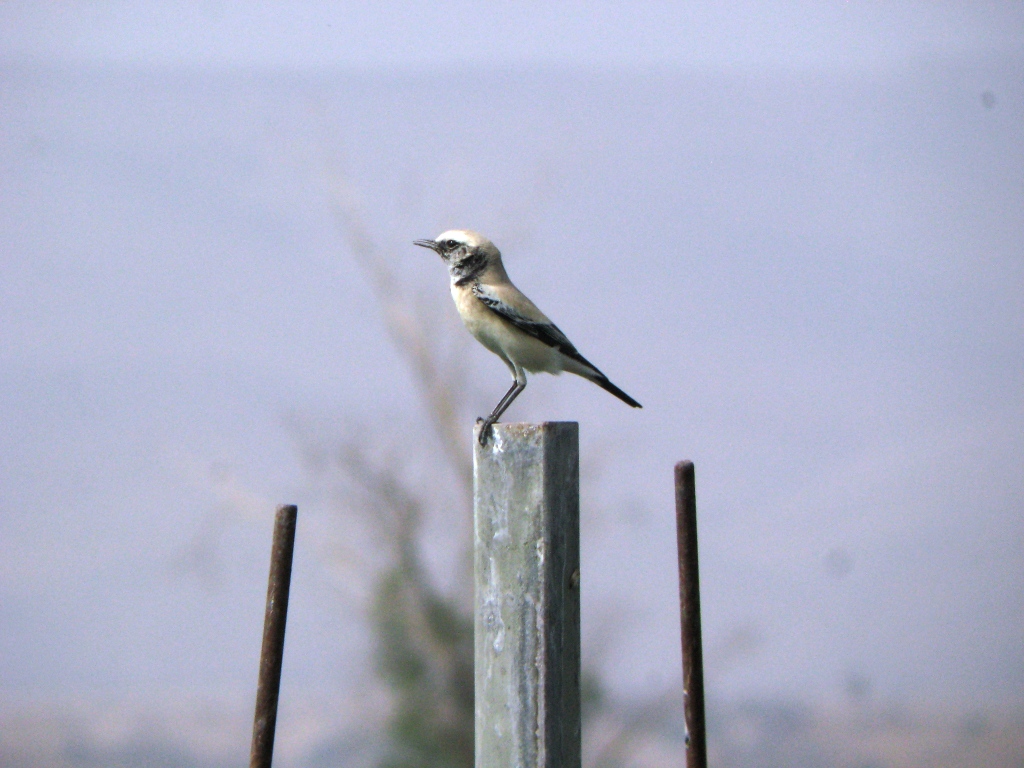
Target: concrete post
527,604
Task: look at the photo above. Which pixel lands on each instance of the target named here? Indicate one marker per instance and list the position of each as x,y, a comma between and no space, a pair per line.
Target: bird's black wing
548,333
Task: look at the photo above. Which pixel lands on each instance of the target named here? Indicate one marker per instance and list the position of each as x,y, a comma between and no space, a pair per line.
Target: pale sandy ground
206,733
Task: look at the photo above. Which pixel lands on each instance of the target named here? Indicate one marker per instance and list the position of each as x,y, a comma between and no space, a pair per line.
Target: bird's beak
427,244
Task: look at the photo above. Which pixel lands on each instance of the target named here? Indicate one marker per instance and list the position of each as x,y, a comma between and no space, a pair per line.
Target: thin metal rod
689,610
272,654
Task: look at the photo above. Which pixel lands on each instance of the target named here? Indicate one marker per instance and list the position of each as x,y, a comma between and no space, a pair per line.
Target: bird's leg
513,392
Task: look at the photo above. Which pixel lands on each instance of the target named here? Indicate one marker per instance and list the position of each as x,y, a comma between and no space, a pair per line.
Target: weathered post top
527,603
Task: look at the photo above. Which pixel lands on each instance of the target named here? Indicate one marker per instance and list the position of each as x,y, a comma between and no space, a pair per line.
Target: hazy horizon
811,276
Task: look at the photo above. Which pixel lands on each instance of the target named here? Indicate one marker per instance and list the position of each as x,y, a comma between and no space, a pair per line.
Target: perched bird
505,321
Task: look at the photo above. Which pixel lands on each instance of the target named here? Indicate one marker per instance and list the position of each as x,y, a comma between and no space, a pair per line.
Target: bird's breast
489,329
501,337
478,319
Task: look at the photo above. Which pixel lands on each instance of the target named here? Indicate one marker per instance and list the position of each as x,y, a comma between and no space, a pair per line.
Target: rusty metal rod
272,654
689,610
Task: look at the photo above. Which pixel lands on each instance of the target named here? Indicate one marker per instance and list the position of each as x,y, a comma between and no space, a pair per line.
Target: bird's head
466,253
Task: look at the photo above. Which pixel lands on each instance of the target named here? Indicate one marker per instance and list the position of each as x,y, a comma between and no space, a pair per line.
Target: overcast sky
399,34
798,241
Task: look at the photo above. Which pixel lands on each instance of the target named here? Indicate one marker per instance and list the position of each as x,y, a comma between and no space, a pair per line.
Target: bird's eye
450,245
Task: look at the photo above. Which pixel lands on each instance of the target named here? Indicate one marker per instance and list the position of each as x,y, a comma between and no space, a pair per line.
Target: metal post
527,603
689,609
272,653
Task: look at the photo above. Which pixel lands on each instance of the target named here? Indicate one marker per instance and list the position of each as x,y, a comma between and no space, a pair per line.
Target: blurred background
793,231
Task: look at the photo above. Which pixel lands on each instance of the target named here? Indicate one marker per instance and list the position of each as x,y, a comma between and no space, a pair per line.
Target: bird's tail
602,381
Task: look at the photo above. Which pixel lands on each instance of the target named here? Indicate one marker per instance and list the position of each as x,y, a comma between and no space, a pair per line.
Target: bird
505,321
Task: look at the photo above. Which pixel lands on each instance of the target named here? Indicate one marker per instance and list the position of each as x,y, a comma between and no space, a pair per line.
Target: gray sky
798,243
603,34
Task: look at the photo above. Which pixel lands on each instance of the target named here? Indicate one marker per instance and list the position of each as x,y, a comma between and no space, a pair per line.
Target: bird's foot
485,429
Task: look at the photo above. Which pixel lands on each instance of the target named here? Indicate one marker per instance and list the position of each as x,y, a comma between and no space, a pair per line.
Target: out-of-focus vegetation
423,633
